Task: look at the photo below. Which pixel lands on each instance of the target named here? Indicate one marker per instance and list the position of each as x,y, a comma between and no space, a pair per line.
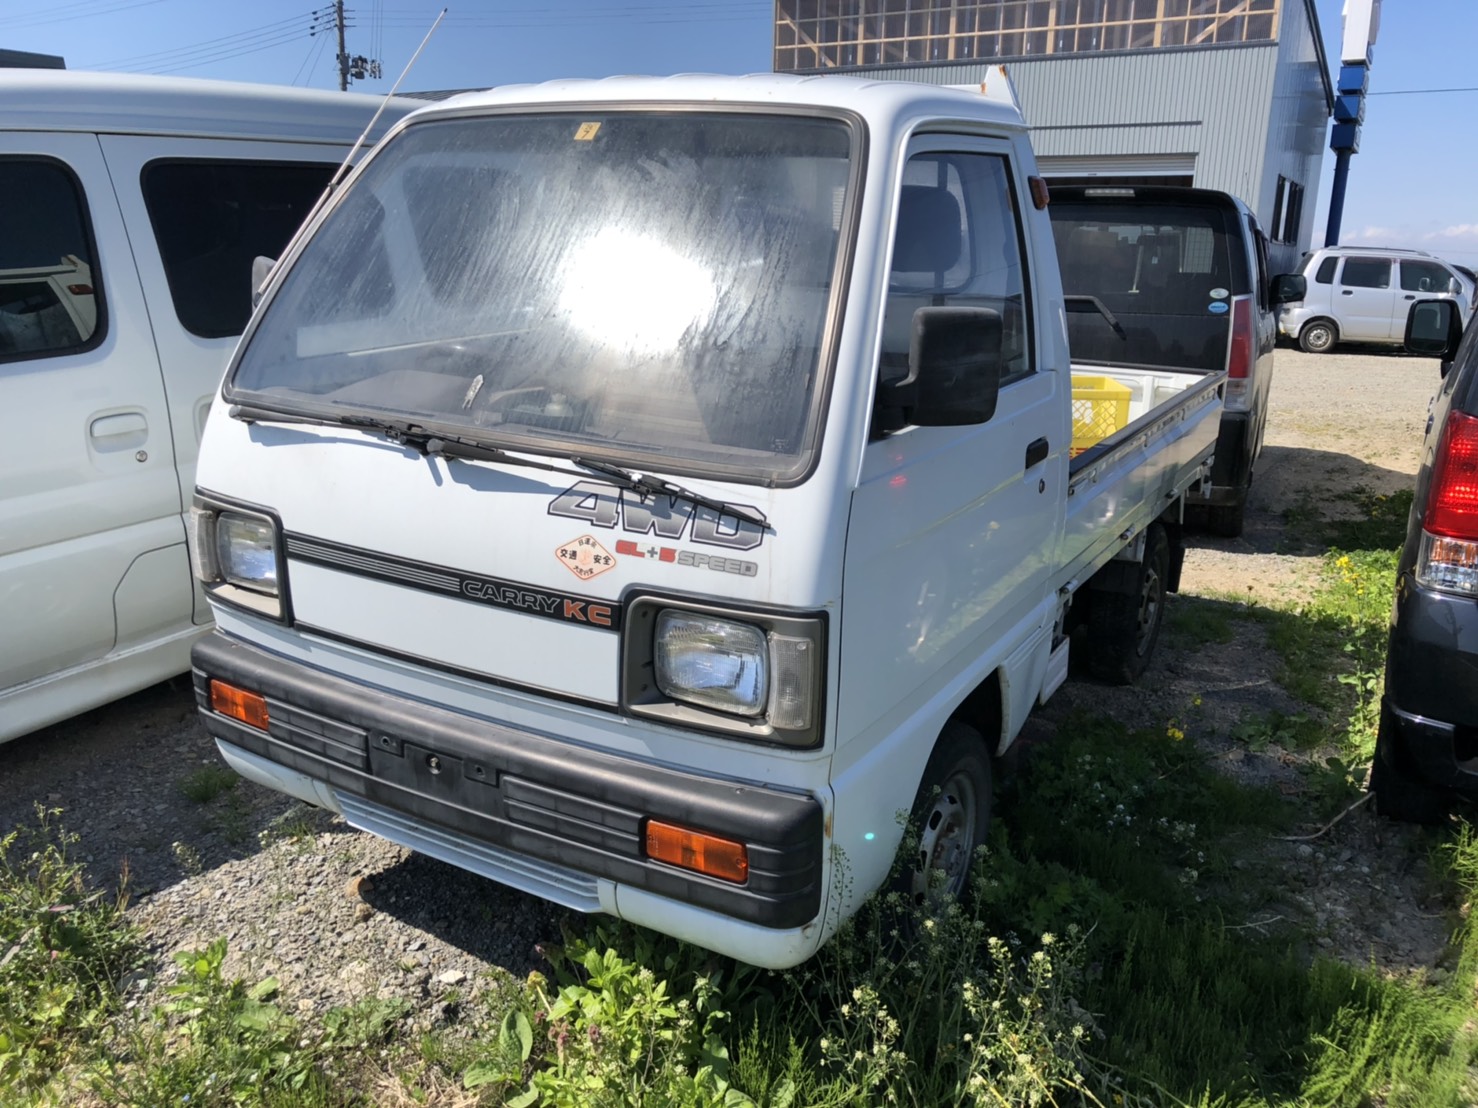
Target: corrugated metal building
1224,94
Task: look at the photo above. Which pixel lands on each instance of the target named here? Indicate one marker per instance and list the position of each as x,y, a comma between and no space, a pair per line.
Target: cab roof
879,102
135,104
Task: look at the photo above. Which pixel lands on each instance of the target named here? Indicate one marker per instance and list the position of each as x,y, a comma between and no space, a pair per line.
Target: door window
50,299
958,244
1425,277
211,219
1367,273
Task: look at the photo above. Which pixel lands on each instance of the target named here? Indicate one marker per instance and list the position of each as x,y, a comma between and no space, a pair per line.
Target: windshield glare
629,284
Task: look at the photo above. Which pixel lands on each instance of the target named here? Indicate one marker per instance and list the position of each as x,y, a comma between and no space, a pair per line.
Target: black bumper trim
526,791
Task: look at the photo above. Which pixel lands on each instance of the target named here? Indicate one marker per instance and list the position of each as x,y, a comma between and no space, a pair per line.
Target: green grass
1197,621
208,782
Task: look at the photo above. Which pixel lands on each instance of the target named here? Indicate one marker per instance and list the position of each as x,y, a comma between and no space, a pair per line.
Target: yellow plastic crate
1100,407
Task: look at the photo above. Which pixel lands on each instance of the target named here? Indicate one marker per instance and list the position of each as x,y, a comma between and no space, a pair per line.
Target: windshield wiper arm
1100,307
645,482
428,442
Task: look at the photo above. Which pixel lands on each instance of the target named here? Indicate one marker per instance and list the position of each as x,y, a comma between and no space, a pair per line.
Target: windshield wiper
645,482
1100,307
428,442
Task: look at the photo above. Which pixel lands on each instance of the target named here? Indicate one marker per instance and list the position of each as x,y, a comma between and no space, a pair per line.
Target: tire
1124,623
1226,520
951,815
1399,796
1318,336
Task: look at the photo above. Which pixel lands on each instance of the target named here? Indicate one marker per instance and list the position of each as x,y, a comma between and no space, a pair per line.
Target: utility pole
351,67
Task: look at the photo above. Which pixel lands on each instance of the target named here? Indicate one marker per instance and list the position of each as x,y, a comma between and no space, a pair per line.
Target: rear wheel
951,814
1318,336
1124,615
1226,520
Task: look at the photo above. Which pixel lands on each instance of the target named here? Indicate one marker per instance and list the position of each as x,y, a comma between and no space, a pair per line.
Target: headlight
712,662
246,552
756,675
235,554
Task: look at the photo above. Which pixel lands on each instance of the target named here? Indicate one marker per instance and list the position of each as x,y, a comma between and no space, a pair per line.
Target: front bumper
446,776
1430,706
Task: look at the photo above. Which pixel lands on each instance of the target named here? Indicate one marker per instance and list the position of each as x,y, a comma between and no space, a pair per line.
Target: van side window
1366,273
211,218
1425,277
958,243
50,297
1325,276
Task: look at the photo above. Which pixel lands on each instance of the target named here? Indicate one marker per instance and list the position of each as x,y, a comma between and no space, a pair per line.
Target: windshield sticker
585,557
1219,294
654,513
1217,307
586,132
691,558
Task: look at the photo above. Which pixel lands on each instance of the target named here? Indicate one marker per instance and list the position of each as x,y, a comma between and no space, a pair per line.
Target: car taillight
1448,558
1239,357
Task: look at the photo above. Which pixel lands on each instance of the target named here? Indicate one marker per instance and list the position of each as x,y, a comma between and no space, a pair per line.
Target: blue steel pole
1337,197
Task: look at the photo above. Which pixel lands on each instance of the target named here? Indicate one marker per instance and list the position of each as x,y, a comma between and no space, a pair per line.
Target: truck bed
1119,486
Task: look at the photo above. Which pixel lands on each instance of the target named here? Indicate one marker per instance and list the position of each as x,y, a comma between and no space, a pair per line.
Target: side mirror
261,269
1434,328
954,368
1289,287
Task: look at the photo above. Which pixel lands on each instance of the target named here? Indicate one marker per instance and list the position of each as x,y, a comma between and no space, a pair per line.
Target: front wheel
1318,337
951,814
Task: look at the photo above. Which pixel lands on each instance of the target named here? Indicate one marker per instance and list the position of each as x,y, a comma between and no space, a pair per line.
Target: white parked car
133,207
1364,294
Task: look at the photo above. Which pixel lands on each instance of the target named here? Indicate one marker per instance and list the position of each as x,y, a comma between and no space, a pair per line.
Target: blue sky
1410,185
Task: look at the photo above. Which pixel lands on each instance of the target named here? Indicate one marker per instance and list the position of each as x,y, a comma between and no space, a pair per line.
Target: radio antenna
344,168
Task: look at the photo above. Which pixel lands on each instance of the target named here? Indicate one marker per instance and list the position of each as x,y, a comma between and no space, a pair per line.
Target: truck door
1365,300
87,490
953,529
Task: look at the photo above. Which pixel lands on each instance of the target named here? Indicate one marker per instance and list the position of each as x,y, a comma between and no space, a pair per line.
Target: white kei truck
641,491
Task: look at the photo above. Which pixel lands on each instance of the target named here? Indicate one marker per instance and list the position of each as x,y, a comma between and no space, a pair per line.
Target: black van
1163,276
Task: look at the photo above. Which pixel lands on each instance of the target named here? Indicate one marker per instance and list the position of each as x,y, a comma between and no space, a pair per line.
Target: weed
63,948
208,782
1199,622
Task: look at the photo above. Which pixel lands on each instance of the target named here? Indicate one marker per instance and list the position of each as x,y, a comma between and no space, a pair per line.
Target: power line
45,18
1419,91
189,58
165,55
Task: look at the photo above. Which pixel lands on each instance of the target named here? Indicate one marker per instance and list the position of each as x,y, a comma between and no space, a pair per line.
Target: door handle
122,431
1410,296
1346,292
1036,452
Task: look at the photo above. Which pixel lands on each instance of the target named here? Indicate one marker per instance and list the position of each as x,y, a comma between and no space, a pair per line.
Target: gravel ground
339,915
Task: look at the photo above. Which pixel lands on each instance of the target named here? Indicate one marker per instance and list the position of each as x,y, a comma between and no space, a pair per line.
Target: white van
1365,293
132,209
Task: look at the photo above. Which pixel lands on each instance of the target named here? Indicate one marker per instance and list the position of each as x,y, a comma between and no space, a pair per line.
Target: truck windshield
652,287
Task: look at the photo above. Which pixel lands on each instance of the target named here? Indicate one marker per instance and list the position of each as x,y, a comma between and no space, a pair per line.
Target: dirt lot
338,915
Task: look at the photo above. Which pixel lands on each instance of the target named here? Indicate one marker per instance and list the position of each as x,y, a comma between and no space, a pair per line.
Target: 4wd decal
667,517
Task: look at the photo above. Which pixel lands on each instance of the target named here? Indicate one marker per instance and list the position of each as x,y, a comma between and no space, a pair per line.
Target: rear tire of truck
1318,336
1226,520
1401,797
1124,623
951,816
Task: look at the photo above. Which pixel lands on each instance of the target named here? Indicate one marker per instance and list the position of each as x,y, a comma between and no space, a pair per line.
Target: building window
827,34
1288,210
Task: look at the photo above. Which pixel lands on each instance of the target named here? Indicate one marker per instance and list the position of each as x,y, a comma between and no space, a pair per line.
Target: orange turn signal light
248,707
707,854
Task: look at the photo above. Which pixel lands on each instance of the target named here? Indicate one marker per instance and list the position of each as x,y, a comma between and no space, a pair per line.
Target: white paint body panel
96,599
939,559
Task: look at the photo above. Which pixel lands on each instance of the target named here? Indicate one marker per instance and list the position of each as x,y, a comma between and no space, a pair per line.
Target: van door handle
1346,292
122,431
1036,452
